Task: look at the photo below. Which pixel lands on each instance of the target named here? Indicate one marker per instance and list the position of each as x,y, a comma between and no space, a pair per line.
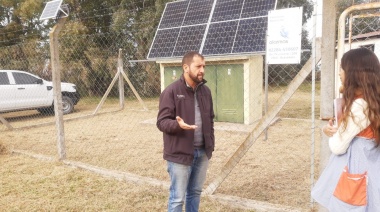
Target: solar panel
227,10
174,14
191,39
164,43
220,38
212,27
250,36
51,9
257,8
198,12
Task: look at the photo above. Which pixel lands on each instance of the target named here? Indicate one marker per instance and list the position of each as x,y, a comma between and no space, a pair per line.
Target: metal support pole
313,64
266,84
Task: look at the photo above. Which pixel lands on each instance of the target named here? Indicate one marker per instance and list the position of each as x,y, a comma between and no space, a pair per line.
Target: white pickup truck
20,90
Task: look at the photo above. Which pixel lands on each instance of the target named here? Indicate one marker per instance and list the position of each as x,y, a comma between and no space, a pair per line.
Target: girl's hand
329,129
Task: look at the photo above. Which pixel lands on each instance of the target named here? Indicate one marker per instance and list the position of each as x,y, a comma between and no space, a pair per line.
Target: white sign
284,36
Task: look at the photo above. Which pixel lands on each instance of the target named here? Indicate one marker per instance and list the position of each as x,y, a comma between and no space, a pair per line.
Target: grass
28,184
275,171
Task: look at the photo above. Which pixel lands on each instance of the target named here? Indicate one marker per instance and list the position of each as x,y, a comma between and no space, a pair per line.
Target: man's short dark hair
188,57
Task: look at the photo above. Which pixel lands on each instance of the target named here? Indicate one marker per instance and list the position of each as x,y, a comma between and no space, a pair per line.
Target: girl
355,142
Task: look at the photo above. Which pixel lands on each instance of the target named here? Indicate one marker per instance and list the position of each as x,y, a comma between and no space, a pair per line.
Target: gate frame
341,35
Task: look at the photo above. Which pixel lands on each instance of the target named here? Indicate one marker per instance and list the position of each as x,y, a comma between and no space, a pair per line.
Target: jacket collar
182,78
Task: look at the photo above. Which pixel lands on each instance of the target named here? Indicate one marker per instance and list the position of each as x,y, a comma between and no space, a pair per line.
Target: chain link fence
122,136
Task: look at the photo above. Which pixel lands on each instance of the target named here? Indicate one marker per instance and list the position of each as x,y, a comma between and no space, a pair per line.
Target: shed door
230,93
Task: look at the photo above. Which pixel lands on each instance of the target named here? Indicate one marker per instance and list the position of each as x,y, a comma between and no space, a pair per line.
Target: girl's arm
356,122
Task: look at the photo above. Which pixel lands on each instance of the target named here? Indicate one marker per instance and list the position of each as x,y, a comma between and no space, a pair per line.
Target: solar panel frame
51,9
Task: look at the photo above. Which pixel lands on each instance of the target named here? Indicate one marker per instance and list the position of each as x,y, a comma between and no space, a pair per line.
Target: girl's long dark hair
362,74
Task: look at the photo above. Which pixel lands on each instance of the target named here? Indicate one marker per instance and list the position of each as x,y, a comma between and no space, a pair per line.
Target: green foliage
28,56
19,21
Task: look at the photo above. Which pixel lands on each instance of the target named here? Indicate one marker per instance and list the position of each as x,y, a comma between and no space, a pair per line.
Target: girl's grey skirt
362,155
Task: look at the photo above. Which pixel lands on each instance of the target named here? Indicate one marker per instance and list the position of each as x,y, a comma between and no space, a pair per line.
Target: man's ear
185,68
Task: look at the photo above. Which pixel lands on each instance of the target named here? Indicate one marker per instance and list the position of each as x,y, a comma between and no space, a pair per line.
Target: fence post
121,80
54,54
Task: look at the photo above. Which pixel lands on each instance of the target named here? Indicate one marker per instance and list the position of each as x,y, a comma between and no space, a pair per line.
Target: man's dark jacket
178,100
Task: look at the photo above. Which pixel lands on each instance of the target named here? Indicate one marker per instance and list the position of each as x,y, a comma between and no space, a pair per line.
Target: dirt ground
275,170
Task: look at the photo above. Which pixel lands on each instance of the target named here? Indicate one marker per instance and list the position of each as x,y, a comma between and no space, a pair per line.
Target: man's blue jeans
187,181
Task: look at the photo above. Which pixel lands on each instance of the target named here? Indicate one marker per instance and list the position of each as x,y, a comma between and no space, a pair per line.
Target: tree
19,21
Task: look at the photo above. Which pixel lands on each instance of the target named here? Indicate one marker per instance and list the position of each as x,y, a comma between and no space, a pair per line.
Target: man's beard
197,78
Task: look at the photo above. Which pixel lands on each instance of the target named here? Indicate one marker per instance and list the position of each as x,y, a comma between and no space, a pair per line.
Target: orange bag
352,188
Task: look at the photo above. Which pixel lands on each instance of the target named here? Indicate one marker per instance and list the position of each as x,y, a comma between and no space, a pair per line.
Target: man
186,119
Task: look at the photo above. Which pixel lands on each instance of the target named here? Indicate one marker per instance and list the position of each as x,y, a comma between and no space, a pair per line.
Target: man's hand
183,125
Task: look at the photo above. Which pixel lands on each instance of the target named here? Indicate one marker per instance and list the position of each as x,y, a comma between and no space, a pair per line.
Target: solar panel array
51,9
212,27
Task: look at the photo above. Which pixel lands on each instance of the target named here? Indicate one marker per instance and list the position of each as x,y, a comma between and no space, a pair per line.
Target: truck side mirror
39,81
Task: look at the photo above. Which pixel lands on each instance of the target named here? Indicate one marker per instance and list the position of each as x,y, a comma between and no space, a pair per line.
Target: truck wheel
67,105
